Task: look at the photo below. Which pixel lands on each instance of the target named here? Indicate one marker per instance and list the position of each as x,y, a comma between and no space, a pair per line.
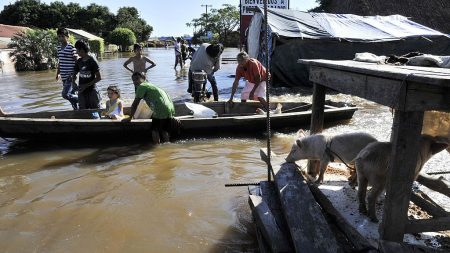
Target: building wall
4,42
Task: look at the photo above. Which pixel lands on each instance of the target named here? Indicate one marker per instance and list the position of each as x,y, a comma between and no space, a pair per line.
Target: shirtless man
139,61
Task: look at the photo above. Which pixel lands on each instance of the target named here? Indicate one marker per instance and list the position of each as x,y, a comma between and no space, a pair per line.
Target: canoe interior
223,109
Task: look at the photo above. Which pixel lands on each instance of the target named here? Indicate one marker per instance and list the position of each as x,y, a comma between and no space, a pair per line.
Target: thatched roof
432,13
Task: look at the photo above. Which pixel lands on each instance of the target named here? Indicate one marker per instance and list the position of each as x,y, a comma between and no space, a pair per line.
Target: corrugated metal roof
84,34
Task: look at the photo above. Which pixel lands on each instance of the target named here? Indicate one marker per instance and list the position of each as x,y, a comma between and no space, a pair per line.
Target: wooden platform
410,91
294,216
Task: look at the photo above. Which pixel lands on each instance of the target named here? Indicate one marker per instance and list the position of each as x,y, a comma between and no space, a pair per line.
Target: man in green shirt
160,103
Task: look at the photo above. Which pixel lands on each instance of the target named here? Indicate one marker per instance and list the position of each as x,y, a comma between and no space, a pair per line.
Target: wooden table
410,91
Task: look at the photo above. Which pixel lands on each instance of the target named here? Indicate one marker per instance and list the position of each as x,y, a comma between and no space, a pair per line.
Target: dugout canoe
236,119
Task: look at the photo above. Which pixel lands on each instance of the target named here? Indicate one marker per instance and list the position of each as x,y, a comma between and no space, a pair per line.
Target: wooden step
269,193
267,225
309,230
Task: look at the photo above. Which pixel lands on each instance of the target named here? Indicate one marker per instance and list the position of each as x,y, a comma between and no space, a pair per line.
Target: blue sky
169,17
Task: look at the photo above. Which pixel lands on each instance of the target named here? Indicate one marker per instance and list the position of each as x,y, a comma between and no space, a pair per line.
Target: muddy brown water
137,197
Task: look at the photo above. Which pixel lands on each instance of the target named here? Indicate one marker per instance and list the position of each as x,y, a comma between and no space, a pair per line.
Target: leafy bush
72,39
34,49
97,46
123,37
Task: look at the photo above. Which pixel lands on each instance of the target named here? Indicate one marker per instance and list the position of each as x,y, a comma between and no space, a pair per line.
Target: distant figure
114,106
89,75
184,51
191,52
139,61
178,59
67,56
1,61
159,102
255,85
207,58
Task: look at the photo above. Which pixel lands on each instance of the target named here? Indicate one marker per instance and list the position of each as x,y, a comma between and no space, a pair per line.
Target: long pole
266,28
206,6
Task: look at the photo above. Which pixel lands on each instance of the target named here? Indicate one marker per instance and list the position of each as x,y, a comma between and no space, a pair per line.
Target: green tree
221,22
128,17
97,46
97,19
34,49
23,12
123,37
94,18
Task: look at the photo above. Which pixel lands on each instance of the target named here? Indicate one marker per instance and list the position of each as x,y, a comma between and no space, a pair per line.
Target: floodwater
138,197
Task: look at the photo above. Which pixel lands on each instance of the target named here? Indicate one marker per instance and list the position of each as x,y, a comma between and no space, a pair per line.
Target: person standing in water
89,75
255,85
177,48
159,102
206,58
139,61
67,56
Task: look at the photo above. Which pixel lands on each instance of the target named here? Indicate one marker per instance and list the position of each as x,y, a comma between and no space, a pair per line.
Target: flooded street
128,197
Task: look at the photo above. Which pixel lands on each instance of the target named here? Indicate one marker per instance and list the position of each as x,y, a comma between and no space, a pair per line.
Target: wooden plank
389,247
428,225
270,196
317,117
267,224
262,244
318,107
381,90
359,242
309,230
428,205
427,97
405,149
436,183
426,75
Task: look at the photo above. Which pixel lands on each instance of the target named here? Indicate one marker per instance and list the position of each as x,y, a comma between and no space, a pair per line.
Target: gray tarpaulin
310,25
308,35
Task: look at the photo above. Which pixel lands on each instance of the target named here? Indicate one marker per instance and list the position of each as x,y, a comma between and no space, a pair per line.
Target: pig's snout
290,158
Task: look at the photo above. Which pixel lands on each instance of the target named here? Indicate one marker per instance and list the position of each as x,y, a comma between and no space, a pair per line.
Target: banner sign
248,5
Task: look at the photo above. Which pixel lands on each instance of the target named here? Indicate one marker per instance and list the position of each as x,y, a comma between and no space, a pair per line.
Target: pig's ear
299,143
437,147
301,133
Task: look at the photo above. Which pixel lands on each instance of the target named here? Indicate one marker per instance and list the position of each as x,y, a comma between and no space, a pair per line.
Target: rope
329,151
269,163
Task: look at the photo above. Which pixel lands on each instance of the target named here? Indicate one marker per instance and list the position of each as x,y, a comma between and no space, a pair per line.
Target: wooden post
317,115
407,128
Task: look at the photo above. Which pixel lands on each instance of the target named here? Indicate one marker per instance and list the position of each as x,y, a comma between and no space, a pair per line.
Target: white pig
326,149
372,168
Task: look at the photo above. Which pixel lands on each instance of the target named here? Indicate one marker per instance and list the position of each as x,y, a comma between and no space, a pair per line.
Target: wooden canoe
239,118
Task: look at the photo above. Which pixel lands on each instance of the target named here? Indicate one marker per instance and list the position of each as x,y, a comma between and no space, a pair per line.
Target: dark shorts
161,125
89,99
